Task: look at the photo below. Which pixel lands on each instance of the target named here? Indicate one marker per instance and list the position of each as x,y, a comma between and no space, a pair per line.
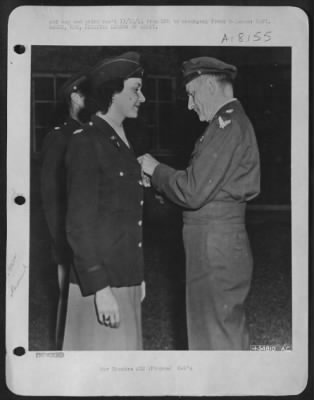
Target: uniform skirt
84,332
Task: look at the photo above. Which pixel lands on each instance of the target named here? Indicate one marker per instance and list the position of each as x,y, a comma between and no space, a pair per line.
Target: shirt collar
227,102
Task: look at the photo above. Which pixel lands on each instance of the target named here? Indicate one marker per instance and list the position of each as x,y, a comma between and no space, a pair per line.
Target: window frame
154,128
34,125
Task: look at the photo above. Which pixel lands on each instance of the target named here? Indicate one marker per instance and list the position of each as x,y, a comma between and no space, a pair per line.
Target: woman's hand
107,308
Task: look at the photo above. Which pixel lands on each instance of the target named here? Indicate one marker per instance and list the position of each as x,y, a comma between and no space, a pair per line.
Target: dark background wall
165,126
167,129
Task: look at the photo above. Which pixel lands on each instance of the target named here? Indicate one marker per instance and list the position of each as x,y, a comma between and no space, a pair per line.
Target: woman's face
128,101
78,100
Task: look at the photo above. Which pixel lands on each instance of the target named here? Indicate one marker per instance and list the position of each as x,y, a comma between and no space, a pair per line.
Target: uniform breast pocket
123,188
132,184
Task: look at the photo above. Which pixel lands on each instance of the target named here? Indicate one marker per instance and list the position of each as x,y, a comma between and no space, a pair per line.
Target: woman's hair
62,108
82,87
102,95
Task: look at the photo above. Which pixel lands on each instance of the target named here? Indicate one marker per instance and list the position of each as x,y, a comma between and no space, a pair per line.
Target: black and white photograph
258,297
163,204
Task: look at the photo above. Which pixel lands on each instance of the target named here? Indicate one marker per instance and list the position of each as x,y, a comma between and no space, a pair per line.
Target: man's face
201,92
130,98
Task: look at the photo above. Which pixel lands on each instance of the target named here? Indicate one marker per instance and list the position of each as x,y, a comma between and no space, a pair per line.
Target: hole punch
19,351
20,200
19,49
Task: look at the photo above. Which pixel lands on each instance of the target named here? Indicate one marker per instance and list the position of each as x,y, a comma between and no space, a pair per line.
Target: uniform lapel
108,134
199,142
229,107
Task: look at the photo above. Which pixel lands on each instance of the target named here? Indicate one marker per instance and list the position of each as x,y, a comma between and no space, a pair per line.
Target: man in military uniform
53,185
223,174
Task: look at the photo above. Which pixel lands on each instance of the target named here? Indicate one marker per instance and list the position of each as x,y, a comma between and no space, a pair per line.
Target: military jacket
105,203
53,187
224,166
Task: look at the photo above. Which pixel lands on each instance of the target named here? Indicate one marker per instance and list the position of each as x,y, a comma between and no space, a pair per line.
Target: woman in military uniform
104,220
53,184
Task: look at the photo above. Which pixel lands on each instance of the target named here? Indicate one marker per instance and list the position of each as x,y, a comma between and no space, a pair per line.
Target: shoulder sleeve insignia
223,123
77,131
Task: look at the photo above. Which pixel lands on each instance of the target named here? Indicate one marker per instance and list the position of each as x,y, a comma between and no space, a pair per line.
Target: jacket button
140,222
140,244
121,173
141,202
140,183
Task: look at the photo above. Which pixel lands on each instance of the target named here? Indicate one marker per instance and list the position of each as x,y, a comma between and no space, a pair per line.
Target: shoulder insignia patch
223,123
77,131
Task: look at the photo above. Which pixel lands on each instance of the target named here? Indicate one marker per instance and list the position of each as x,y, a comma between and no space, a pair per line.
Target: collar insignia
115,141
223,123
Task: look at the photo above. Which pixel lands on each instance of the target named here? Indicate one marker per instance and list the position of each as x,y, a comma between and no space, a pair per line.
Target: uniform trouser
219,269
84,332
